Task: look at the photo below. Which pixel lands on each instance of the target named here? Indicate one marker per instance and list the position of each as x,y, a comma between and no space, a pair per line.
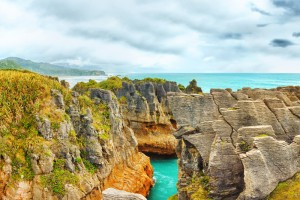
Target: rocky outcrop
113,194
241,143
90,149
146,109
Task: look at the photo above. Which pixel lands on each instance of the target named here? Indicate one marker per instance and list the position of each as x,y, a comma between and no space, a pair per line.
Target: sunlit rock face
242,143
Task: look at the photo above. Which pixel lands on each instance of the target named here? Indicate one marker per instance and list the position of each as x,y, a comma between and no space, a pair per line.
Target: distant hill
8,64
46,68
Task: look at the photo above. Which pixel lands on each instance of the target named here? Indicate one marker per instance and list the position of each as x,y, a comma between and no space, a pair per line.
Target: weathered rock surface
76,140
146,109
246,142
113,194
271,162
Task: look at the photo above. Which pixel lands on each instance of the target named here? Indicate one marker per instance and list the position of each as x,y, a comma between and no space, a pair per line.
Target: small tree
193,88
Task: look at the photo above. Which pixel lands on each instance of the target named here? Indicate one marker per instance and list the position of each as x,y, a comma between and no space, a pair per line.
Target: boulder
114,194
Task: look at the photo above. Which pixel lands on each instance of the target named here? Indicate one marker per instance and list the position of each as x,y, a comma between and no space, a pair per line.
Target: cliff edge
145,109
236,145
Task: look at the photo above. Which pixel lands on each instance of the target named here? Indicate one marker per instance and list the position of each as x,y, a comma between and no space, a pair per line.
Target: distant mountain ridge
46,68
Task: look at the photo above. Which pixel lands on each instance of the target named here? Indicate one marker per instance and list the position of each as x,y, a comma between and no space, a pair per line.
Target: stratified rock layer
113,194
146,109
246,142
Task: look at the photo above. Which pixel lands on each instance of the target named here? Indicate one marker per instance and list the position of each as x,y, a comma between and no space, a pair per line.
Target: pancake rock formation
57,144
236,145
113,194
146,110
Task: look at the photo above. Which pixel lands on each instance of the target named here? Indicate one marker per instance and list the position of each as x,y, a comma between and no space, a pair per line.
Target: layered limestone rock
240,145
146,109
83,153
113,194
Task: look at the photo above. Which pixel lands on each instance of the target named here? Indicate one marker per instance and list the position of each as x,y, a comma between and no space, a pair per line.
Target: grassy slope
288,190
49,69
23,96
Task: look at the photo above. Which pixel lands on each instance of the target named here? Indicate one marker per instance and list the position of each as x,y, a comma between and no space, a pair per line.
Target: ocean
207,81
166,169
228,80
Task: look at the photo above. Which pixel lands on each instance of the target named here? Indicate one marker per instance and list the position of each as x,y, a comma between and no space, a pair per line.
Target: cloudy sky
155,35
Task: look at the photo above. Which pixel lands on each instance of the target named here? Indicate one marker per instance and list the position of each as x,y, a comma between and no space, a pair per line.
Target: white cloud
164,35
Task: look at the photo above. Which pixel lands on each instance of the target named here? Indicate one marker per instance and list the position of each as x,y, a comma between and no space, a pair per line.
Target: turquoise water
228,80
165,174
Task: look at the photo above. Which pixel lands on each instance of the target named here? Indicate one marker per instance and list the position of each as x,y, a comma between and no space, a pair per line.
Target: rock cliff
145,109
236,145
147,112
57,144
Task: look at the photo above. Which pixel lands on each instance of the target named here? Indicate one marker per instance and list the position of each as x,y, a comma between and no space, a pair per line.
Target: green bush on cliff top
149,79
193,88
112,83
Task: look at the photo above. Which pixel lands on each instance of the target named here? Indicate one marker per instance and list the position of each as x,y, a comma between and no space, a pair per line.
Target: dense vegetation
148,79
57,180
24,96
112,83
47,69
101,121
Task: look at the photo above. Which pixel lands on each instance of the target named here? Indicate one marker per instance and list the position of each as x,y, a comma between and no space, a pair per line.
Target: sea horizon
208,81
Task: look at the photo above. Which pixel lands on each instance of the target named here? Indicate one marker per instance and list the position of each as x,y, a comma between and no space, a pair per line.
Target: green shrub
193,88
21,167
58,178
55,126
104,136
244,146
123,100
78,160
152,80
83,88
85,102
89,166
181,87
126,79
112,83
199,187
